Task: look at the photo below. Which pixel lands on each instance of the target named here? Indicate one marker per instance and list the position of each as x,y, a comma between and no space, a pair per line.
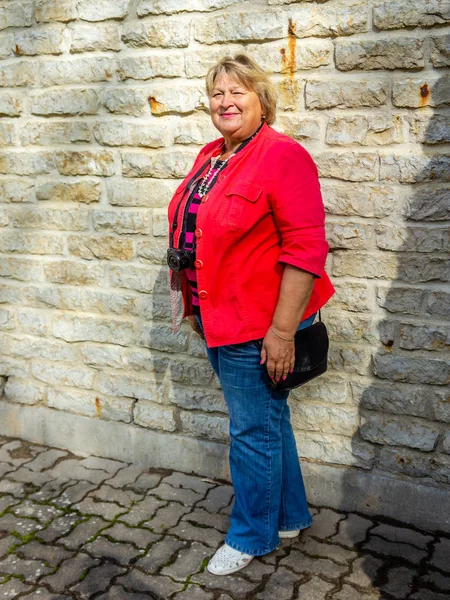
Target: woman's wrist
282,336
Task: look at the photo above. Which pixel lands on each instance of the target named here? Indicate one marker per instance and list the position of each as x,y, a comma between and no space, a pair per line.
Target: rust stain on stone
292,45
18,50
424,94
98,407
157,107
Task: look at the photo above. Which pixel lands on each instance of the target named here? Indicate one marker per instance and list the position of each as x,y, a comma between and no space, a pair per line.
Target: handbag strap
320,315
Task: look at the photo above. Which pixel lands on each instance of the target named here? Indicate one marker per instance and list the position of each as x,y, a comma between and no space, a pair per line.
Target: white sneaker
228,560
293,533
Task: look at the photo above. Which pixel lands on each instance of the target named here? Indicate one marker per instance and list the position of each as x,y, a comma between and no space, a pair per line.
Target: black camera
180,259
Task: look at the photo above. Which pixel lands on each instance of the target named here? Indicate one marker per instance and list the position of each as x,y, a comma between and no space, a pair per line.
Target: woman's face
235,110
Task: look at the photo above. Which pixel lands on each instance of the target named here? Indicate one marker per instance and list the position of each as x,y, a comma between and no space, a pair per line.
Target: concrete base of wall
370,493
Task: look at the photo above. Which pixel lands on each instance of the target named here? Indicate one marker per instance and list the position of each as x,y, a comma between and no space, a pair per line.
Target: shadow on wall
405,412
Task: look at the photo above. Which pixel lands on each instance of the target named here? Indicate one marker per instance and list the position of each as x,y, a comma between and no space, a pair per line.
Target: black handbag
311,356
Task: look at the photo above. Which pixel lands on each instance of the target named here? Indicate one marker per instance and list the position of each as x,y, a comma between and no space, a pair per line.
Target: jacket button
198,264
205,198
203,294
198,233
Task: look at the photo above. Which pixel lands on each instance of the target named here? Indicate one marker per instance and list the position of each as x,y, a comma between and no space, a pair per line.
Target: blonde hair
247,71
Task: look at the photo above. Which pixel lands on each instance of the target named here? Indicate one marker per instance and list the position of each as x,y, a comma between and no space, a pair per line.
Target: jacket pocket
241,198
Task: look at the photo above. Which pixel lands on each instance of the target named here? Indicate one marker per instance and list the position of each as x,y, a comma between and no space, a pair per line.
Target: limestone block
179,99
146,67
334,449
48,39
413,239
123,221
416,268
424,337
352,359
72,328
429,204
77,70
290,93
194,131
126,101
63,374
377,130
47,11
373,200
84,191
7,319
162,165
197,399
354,297
153,416
124,133
7,134
10,104
430,129
415,168
52,297
25,163
408,462
13,368
330,386
65,103
101,37
338,420
49,134
441,407
45,349
440,52
6,45
153,193
168,7
446,443
102,355
398,399
324,20
18,74
400,300
348,234
191,373
85,403
130,385
108,302
31,243
399,431
22,269
350,166
309,54
437,303
141,279
299,129
207,426
401,13
9,294
153,250
16,14
159,337
4,219
364,264
73,273
87,162
148,32
101,10
23,392
105,247
241,27
345,327
41,217
398,53
16,190
412,369
199,61
420,92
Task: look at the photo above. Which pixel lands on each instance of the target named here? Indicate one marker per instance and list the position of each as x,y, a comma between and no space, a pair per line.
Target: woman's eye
217,95
237,93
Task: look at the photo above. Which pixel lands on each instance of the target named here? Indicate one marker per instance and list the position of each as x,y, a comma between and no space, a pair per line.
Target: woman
247,253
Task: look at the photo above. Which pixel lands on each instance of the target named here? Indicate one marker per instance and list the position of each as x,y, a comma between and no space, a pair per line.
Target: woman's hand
278,355
195,326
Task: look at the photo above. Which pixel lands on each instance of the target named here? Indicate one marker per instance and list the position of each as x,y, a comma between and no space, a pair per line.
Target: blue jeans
265,469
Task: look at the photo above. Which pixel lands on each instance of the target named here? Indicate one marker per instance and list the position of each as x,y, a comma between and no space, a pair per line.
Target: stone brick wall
103,110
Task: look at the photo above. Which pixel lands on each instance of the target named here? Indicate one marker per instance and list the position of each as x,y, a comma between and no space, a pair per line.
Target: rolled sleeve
298,211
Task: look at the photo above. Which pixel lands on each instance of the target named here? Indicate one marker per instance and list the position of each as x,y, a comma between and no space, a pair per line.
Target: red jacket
264,210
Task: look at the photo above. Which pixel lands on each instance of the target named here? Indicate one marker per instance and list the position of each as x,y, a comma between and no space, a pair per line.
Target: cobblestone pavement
79,528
